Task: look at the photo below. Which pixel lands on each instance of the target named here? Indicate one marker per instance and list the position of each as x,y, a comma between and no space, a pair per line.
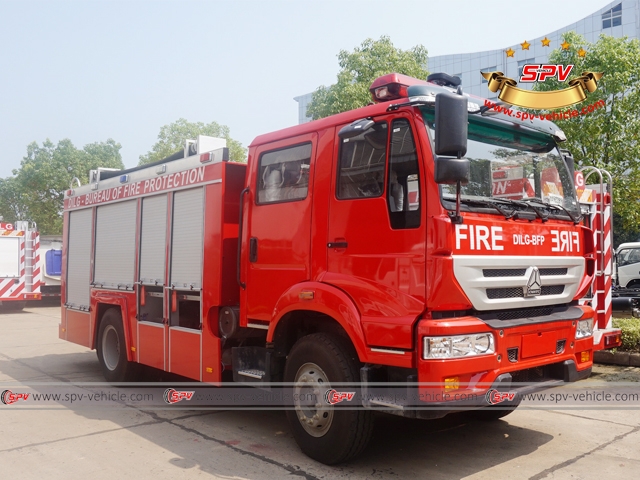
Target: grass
630,333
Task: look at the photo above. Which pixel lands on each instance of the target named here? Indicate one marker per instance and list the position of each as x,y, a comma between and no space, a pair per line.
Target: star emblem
582,52
525,45
545,42
565,45
510,52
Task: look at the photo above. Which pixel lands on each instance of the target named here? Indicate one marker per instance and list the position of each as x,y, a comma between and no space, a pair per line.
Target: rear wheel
325,433
14,306
111,348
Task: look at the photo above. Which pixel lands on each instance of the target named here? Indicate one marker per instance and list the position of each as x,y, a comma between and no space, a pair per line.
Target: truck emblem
534,284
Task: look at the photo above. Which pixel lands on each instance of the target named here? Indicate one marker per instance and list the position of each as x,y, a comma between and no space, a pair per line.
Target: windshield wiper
539,201
498,205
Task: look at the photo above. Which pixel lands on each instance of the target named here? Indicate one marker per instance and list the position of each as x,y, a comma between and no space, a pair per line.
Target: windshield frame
531,142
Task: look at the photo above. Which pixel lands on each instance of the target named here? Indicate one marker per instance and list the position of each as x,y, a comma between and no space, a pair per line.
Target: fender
335,303
327,300
117,299
387,314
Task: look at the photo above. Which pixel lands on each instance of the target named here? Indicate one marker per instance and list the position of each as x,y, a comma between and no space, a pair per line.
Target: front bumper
428,401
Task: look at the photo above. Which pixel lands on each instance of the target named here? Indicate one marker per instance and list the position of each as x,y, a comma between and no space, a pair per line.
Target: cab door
376,234
276,250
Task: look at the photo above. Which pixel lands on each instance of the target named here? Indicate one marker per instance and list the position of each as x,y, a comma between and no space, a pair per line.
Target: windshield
511,164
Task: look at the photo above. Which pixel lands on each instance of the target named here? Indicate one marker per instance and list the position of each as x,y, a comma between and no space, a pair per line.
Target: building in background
303,102
618,19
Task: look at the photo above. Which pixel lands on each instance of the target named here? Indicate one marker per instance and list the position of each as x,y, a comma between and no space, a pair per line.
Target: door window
403,189
284,174
362,160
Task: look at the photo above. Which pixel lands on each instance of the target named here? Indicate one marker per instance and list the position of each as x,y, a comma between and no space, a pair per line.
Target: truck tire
14,306
112,349
323,432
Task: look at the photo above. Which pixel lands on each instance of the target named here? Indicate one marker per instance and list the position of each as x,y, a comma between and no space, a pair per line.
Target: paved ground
69,442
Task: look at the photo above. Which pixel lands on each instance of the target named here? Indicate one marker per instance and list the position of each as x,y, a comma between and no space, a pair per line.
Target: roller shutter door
153,240
187,232
79,262
115,245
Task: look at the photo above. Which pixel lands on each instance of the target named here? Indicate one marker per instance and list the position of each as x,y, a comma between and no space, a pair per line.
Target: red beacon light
392,87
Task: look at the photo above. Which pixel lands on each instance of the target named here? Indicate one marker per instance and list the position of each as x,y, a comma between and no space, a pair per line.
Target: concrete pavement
63,441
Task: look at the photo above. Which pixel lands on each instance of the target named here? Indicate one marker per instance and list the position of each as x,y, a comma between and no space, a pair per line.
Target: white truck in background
627,265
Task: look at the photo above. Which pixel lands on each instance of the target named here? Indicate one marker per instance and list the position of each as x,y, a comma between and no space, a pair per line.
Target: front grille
514,292
520,272
549,272
523,313
512,353
560,346
504,272
530,375
552,289
518,292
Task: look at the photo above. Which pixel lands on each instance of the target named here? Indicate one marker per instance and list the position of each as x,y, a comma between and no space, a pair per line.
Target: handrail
586,172
241,284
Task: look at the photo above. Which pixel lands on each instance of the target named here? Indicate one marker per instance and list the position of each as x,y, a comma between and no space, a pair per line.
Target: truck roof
628,245
542,126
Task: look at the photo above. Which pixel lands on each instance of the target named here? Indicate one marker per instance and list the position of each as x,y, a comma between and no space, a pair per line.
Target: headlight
458,346
585,328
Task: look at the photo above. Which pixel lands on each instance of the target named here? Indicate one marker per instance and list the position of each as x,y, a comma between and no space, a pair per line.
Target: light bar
124,178
206,157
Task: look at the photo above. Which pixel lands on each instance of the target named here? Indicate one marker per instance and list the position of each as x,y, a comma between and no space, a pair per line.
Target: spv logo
332,396
540,73
8,397
494,397
171,395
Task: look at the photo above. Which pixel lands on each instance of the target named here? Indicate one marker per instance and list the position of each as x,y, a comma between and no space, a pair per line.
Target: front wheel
112,349
325,433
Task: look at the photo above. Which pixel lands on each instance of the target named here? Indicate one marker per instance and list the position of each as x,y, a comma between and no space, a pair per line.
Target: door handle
253,249
337,245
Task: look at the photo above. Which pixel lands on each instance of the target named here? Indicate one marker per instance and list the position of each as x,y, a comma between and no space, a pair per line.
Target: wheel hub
315,415
110,348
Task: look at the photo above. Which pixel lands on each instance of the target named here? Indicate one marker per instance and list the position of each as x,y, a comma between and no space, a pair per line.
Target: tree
36,192
358,69
607,137
172,137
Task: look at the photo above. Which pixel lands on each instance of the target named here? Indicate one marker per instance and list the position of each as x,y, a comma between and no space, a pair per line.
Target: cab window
403,185
283,175
628,256
362,161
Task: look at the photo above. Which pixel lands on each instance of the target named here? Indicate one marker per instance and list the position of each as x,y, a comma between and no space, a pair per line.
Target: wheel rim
314,414
110,347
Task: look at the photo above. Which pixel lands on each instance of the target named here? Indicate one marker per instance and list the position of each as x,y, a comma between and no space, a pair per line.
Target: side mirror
450,171
451,125
355,128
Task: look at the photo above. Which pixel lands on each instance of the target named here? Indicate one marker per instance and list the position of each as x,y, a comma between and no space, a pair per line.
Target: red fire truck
372,246
19,264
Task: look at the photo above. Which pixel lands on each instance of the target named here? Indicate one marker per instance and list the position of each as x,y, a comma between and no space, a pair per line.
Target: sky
97,69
